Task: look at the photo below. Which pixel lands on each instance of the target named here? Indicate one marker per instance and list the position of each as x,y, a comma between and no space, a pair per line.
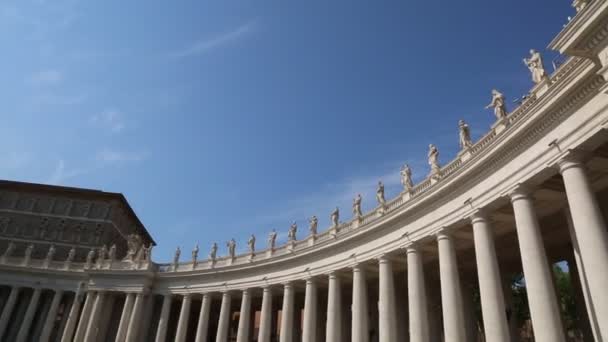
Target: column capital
520,191
443,234
479,215
572,158
383,259
333,274
412,247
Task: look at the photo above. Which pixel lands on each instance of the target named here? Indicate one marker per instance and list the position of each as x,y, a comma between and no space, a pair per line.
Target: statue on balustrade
251,244
141,254
272,239
406,178
134,244
231,248
313,224
9,249
335,218
29,250
51,253
103,252
465,135
434,159
89,259
499,105
195,254
112,253
213,253
71,255
535,64
380,194
176,256
357,206
291,234
148,252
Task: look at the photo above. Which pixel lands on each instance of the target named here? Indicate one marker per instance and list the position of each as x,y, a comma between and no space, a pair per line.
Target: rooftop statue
465,135
231,248
434,159
112,253
51,253
90,257
71,255
178,252
535,64
314,222
380,194
9,249
335,218
148,252
357,206
213,253
293,229
134,243
498,103
272,239
251,244
29,250
406,178
195,254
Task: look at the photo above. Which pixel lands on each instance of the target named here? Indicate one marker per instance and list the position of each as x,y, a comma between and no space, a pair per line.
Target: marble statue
251,244
406,178
89,259
9,249
178,252
134,244
195,254
28,251
291,234
313,223
357,206
148,252
103,252
141,254
213,253
434,159
231,248
50,254
272,239
71,256
335,218
464,135
112,253
499,105
380,194
535,64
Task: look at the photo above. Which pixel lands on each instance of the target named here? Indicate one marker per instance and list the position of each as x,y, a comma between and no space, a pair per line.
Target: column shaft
184,315
387,313
161,331
451,292
266,316
93,325
127,309
416,293
592,236
135,319
490,286
70,325
203,319
334,310
51,316
8,309
287,314
84,317
223,326
544,309
360,323
244,318
29,316
309,333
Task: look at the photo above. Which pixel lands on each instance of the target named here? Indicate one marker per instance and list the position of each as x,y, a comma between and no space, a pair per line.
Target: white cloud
205,45
109,156
46,78
61,173
111,119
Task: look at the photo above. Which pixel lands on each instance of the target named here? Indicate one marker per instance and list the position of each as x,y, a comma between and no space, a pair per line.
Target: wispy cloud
109,156
111,119
61,173
205,45
45,78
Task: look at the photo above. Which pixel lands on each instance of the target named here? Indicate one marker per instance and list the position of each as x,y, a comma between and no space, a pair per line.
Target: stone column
334,309
451,292
29,316
387,312
591,233
136,317
224,322
8,309
287,314
266,316
242,334
84,317
161,331
416,294
544,309
490,287
203,319
360,324
93,324
51,315
184,315
127,309
309,333
70,325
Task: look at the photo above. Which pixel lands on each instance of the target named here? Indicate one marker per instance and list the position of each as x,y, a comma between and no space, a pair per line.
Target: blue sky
218,119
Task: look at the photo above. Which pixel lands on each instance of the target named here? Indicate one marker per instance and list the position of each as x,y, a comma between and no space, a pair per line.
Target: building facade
76,264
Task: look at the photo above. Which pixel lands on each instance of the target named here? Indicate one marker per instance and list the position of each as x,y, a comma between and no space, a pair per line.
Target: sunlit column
266,316
224,322
203,319
544,309
26,323
51,315
184,315
451,293
244,318
125,317
136,317
591,234
70,325
360,324
93,324
84,317
334,309
8,309
416,293
310,312
490,287
161,331
386,302
287,314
